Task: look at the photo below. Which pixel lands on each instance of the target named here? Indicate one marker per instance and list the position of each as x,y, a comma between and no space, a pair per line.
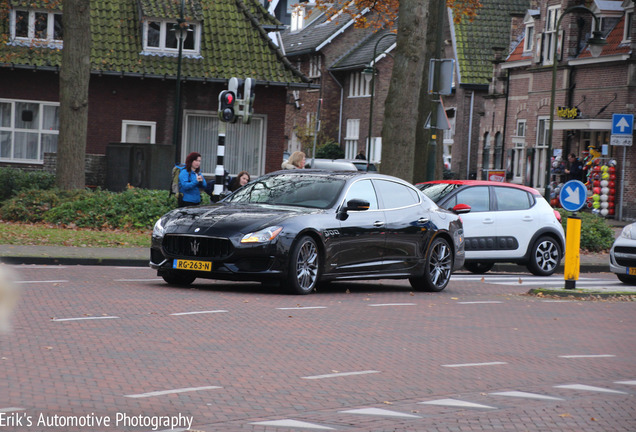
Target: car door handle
488,221
422,220
378,223
527,219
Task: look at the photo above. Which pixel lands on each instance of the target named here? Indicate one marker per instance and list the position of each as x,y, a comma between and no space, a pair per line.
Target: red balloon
596,168
610,211
597,183
611,198
612,177
612,170
611,184
597,190
611,204
612,192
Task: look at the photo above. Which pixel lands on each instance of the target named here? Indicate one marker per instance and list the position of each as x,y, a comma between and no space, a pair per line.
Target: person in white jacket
295,161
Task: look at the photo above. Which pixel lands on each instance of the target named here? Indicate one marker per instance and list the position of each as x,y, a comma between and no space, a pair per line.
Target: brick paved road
94,343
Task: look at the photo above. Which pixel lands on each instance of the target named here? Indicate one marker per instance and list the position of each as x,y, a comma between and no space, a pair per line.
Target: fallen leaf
387,402
483,279
565,415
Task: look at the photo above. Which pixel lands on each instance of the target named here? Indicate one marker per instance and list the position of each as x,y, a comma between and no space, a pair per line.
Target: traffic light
248,99
227,100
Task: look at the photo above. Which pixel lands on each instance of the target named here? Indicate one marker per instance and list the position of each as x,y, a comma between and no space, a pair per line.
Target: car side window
363,189
478,198
512,199
396,195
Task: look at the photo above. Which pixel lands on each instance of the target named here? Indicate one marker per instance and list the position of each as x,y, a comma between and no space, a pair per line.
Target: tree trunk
74,80
402,156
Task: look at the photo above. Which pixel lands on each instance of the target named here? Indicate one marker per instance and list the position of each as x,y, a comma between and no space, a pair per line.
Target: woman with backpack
191,182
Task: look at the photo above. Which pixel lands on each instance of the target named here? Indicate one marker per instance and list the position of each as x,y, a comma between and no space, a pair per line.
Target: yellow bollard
572,250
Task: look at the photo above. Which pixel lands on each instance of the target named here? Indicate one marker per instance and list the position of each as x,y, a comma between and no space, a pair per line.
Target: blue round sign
572,196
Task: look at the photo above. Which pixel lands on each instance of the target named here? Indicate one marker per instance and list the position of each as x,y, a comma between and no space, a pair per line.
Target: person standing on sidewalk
191,182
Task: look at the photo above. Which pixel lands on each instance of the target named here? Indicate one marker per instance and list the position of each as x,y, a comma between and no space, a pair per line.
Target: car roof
483,183
345,175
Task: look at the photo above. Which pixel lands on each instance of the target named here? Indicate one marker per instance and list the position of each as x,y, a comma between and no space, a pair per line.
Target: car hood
228,219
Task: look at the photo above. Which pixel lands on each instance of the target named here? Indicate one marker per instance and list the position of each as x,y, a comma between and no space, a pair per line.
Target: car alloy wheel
304,266
545,257
439,265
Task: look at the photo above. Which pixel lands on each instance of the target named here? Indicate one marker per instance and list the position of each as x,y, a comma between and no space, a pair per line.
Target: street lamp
180,33
596,43
369,75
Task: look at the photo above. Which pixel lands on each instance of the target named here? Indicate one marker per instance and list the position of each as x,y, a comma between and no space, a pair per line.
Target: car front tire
439,267
178,278
304,266
545,256
626,279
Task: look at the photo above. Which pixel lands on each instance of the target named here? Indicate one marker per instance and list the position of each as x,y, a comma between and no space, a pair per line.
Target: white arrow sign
622,124
573,196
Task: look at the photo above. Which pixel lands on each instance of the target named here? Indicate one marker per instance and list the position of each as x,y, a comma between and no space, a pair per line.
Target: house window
138,132
244,143
528,42
314,66
551,34
629,23
519,143
358,86
540,154
297,18
28,129
499,154
35,26
351,138
161,36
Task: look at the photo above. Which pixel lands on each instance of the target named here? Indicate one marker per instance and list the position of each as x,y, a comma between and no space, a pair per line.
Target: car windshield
291,189
437,191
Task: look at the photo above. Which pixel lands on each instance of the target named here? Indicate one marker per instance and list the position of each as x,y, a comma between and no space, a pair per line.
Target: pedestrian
241,179
191,182
574,170
295,161
361,156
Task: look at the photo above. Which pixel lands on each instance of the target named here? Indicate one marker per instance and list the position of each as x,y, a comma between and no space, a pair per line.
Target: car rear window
437,191
509,198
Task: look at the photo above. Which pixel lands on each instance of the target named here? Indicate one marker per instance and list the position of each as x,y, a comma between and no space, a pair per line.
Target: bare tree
74,81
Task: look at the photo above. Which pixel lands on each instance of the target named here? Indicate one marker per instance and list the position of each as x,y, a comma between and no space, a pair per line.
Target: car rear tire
626,279
479,268
304,267
545,256
439,267
178,278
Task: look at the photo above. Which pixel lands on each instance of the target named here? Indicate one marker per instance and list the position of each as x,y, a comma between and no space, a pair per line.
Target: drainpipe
470,132
341,102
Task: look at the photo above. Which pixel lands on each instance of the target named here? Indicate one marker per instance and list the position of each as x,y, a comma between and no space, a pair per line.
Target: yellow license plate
192,265
632,271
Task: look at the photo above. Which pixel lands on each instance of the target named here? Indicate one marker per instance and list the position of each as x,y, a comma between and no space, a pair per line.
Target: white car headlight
629,232
262,236
159,230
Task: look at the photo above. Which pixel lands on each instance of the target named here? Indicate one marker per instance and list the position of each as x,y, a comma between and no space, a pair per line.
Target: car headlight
629,232
262,236
159,228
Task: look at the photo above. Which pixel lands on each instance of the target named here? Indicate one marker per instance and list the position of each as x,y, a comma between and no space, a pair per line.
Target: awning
583,124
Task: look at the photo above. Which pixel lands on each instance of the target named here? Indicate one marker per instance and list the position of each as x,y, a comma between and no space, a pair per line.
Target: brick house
334,54
514,132
137,127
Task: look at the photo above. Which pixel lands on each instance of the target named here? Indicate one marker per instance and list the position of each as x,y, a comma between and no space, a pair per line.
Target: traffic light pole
219,171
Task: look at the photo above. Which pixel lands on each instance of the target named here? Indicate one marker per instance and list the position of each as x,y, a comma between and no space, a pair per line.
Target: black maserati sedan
300,228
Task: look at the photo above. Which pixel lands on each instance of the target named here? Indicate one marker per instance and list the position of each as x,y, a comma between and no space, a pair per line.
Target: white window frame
125,124
352,136
315,63
551,33
518,151
40,130
629,23
297,18
528,41
31,36
358,85
193,31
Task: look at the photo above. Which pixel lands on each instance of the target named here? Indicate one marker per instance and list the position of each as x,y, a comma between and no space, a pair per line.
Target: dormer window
629,20
550,34
528,22
36,27
161,36
297,18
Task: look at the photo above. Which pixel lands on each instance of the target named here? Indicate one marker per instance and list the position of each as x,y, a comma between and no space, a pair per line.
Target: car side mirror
354,204
461,209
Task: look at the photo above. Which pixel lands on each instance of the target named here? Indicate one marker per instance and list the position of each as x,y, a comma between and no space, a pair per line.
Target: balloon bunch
601,186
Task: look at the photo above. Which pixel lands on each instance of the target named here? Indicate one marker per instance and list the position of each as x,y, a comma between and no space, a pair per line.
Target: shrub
330,150
131,209
14,180
596,234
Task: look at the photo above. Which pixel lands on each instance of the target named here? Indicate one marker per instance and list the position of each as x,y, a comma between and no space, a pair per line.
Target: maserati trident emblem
194,247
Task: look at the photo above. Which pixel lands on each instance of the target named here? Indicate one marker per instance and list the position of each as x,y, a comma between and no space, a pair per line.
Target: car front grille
197,247
625,256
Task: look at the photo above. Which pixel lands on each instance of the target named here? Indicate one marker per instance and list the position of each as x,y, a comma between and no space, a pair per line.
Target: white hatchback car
623,255
506,223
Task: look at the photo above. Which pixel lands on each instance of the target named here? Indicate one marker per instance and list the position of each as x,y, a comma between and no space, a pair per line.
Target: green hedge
596,234
13,181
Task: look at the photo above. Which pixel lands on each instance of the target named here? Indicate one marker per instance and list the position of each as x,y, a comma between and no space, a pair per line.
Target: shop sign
568,113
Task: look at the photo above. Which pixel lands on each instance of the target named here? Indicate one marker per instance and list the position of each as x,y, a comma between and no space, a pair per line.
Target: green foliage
330,150
14,180
131,209
596,234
